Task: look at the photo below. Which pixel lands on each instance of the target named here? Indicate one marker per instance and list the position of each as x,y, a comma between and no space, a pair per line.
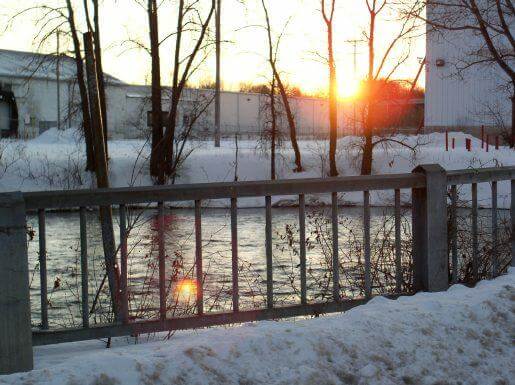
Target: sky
302,51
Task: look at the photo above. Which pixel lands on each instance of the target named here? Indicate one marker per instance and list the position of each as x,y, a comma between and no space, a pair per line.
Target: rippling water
63,258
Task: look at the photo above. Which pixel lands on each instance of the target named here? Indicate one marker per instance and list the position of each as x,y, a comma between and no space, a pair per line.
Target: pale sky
245,48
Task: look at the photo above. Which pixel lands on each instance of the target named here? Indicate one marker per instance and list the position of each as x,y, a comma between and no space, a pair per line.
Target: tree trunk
291,121
169,137
101,168
366,160
368,129
86,121
156,167
100,74
282,91
512,141
368,132
274,130
167,155
333,106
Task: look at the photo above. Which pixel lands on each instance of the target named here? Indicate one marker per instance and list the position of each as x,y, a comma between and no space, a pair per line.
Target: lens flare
186,289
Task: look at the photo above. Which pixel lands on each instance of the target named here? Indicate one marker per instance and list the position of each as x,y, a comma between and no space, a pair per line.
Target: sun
349,88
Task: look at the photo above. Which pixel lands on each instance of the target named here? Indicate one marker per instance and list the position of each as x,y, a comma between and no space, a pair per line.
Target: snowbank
462,336
55,160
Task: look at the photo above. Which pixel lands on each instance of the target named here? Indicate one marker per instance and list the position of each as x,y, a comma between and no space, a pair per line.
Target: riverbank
55,160
462,336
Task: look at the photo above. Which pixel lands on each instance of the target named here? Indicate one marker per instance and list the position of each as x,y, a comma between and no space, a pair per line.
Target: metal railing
430,255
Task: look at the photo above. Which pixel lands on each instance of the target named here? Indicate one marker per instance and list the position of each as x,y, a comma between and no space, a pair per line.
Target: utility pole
218,86
58,80
354,43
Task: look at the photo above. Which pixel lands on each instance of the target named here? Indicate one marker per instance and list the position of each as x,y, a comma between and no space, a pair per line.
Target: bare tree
169,136
157,115
101,170
273,128
273,50
50,21
95,29
380,71
189,16
81,81
328,16
490,20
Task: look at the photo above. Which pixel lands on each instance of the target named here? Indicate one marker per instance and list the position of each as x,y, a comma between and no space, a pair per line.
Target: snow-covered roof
39,66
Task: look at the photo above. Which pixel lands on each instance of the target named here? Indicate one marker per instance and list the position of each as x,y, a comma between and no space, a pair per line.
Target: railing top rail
480,175
63,199
189,192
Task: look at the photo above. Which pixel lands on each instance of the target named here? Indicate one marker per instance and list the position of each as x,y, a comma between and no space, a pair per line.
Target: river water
63,259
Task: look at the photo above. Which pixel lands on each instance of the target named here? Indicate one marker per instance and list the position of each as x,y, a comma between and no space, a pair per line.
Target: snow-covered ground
55,160
462,336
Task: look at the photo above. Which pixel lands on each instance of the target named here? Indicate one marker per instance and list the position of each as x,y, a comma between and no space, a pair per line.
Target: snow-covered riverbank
55,160
462,336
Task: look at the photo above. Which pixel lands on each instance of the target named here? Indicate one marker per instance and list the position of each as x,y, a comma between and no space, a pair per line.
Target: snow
55,160
461,336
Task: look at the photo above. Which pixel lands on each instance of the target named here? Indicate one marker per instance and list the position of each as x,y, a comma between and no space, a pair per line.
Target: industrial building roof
28,65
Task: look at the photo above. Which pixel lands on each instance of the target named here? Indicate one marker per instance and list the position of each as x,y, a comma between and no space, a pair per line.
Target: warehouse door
8,114
5,117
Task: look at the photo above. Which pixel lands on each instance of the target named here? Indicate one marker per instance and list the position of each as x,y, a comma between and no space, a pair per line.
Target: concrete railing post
15,328
429,216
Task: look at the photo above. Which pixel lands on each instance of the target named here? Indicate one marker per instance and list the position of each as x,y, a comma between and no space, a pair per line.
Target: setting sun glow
349,89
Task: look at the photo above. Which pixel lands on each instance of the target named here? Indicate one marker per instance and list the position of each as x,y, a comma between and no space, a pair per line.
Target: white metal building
32,86
459,98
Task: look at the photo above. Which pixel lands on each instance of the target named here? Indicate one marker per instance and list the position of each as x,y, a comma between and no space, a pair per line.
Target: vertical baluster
454,234
495,259
366,242
162,266
512,214
234,247
42,268
269,260
398,250
475,246
124,296
84,267
198,257
336,260
302,248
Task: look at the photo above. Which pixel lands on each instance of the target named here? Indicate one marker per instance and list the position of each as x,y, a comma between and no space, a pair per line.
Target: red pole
497,142
482,137
446,140
453,143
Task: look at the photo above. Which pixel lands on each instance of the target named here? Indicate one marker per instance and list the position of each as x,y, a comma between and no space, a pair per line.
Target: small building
460,96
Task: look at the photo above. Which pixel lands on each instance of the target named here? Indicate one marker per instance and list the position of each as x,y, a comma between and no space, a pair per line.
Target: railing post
15,327
429,216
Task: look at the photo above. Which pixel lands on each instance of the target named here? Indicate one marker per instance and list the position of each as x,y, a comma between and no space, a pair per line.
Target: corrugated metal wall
457,97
